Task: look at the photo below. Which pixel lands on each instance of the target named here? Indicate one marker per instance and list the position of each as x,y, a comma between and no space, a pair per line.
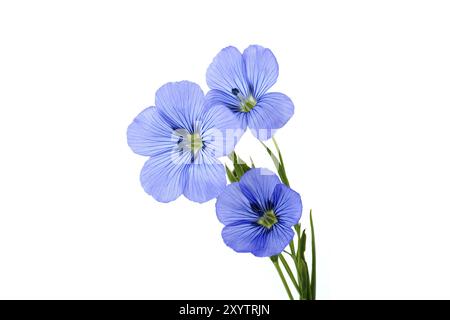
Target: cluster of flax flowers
186,133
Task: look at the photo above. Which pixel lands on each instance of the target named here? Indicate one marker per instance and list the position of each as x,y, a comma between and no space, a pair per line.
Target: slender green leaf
303,273
244,167
240,167
298,227
251,161
239,172
231,177
298,264
278,166
292,247
303,245
313,253
283,168
305,278
272,155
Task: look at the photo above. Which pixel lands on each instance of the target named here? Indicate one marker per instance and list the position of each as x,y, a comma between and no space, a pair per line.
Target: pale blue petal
227,71
272,111
216,97
163,176
180,104
258,185
205,178
243,119
262,69
258,240
273,241
287,205
220,131
149,134
243,237
232,207
219,98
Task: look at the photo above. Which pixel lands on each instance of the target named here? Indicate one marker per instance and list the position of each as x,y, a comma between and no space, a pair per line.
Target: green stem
283,279
289,272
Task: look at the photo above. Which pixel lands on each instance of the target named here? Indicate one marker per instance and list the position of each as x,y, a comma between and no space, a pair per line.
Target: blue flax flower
240,82
183,141
258,213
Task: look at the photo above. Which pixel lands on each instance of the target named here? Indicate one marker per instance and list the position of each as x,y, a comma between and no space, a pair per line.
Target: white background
368,146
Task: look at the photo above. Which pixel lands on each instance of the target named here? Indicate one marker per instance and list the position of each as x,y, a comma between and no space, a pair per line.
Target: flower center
194,141
268,219
190,142
246,103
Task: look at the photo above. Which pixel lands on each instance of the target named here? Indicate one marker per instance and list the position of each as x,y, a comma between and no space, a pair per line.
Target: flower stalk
283,279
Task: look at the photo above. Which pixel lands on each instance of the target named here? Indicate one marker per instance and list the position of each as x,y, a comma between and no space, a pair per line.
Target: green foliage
239,168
